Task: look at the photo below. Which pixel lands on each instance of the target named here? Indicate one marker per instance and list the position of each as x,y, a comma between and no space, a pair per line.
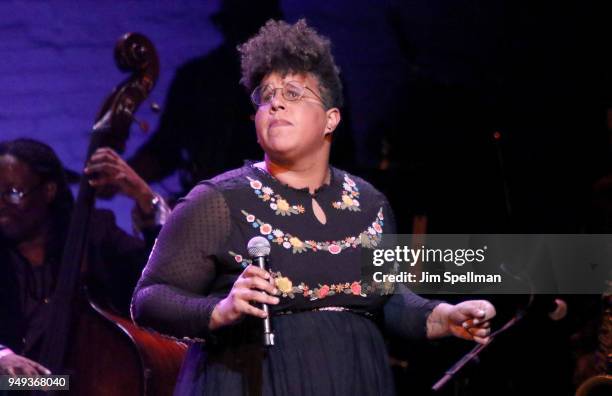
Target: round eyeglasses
292,91
15,197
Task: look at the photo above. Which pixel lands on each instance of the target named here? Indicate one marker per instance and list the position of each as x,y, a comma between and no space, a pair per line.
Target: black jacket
115,260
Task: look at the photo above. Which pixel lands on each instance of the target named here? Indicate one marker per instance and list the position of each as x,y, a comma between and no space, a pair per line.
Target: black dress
327,339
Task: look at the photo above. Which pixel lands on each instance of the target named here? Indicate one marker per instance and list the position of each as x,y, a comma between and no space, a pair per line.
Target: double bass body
106,354
109,355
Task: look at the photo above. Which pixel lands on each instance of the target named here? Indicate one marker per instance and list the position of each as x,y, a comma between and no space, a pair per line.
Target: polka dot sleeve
172,295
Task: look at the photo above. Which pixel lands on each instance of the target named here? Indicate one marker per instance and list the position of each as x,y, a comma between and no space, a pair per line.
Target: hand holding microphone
259,250
252,286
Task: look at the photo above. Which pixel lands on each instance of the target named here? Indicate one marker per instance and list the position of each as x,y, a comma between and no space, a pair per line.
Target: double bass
103,353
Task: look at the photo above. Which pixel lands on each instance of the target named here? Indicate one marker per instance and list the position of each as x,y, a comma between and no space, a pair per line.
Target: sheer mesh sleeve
172,294
405,313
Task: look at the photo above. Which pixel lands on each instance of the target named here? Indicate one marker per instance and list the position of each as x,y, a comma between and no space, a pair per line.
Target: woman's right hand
248,288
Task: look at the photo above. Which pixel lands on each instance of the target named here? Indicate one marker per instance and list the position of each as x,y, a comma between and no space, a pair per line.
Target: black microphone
259,250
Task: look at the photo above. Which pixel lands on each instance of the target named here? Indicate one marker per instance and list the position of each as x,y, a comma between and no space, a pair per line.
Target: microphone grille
258,247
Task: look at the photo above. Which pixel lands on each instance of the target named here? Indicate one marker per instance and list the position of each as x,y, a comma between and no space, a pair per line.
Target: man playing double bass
35,208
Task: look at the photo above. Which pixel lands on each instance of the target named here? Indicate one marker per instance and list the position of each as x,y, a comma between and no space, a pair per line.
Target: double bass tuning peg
144,125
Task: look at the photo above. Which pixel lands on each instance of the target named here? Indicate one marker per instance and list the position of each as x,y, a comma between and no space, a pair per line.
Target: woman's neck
311,175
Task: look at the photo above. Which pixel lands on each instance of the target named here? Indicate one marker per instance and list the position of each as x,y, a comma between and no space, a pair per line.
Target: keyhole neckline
317,191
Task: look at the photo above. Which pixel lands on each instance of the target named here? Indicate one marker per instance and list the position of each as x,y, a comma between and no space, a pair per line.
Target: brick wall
56,66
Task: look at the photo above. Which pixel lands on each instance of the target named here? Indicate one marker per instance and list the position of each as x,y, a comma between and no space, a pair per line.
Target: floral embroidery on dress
240,259
357,288
277,203
350,193
367,239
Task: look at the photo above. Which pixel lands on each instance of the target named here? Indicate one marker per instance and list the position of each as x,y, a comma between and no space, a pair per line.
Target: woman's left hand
470,320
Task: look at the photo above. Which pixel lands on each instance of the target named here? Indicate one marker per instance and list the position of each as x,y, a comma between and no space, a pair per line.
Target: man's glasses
292,91
14,196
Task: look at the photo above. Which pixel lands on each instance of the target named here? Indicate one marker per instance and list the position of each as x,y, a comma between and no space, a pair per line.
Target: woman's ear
333,119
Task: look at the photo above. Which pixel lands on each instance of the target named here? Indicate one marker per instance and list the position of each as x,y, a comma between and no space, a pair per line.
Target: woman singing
200,284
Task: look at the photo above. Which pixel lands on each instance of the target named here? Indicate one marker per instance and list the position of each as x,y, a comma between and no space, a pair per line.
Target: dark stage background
427,84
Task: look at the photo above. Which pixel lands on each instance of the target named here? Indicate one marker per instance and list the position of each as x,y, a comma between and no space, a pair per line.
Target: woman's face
289,131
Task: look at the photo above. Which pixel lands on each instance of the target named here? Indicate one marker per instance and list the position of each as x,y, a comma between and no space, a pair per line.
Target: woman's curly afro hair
298,48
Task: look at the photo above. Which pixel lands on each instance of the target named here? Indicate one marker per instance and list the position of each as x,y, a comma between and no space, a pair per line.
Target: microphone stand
522,277
473,354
